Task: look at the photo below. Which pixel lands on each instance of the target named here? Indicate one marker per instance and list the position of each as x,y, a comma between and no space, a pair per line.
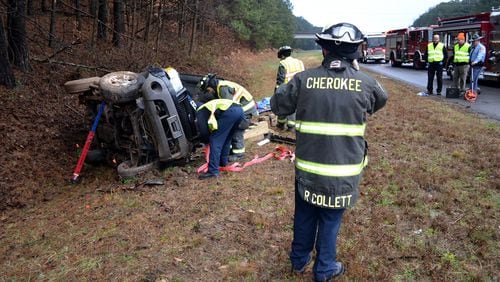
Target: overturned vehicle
148,118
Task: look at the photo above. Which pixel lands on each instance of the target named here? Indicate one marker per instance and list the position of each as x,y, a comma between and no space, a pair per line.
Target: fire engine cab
373,48
486,25
407,45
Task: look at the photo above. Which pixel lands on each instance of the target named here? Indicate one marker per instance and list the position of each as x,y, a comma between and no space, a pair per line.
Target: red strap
282,154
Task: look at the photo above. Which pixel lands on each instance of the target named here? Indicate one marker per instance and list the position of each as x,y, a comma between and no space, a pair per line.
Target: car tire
81,85
126,169
121,86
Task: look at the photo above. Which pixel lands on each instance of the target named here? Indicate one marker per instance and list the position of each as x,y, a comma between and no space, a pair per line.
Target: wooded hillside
455,8
117,34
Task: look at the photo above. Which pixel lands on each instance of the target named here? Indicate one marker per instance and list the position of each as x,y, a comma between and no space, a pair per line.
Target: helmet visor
344,32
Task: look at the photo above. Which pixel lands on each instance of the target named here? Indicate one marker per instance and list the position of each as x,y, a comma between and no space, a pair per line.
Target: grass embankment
429,209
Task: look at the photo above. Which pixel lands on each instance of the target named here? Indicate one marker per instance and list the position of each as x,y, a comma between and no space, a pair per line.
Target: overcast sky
368,15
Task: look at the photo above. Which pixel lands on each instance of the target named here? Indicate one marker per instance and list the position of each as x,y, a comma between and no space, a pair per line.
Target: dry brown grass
428,210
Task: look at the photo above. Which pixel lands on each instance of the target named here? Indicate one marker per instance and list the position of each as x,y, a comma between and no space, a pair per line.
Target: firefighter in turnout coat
225,89
217,121
288,67
332,102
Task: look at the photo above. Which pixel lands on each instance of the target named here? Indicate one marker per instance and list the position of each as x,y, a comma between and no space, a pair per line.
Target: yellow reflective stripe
323,128
240,91
212,106
212,122
237,95
282,120
331,170
249,106
291,122
238,151
221,104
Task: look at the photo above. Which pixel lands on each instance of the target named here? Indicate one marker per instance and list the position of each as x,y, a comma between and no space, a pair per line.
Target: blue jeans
475,75
312,223
220,139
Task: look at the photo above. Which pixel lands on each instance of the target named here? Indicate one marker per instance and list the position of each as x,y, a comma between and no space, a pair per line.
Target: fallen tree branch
75,111
72,64
75,42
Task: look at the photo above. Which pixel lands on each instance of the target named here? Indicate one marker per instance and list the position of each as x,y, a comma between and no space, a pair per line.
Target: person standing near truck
461,52
477,56
436,56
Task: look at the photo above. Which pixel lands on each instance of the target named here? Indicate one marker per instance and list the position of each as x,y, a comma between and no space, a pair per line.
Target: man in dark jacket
332,103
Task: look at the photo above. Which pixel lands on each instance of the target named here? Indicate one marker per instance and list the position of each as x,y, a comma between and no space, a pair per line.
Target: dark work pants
238,140
288,120
312,223
220,139
437,70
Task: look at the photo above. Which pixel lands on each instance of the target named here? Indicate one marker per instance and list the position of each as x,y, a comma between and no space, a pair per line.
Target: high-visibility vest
292,66
214,105
461,53
435,54
239,93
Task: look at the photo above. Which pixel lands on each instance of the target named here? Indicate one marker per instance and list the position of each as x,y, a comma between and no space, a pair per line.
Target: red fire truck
373,48
485,24
407,45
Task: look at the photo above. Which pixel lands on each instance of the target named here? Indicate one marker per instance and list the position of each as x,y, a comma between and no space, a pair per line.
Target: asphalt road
487,104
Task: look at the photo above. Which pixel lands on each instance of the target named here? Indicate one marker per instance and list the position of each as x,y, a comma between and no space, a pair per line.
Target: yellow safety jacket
435,54
212,106
461,53
292,66
240,95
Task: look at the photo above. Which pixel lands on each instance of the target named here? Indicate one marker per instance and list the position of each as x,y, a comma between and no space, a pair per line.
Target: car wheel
121,86
126,169
81,85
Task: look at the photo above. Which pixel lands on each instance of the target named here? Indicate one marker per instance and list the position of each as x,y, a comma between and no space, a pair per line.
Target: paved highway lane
488,103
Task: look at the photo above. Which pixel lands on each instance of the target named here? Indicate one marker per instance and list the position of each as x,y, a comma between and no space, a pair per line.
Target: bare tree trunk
160,26
52,29
16,34
102,19
193,29
6,74
78,15
118,22
93,3
182,17
92,7
43,5
132,23
148,20
29,8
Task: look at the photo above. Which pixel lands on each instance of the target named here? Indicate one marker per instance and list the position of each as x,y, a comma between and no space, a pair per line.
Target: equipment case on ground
452,92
